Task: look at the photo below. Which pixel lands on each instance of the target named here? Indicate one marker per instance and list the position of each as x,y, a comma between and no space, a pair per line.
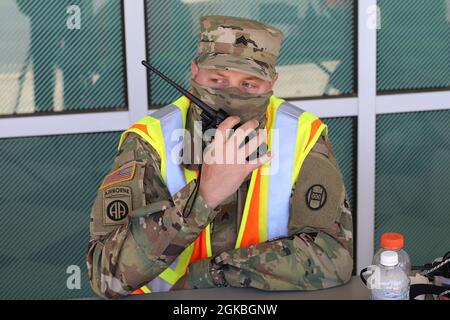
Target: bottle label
389,294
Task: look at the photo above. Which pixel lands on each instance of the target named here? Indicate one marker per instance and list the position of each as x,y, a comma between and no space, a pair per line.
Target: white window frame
365,107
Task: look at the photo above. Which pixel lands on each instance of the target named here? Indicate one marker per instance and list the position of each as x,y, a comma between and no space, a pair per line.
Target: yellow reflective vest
266,210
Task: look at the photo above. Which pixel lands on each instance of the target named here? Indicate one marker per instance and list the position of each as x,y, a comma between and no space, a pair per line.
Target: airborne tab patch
116,205
124,173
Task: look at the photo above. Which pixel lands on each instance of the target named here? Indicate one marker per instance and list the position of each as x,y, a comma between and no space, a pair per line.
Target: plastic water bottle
394,241
391,282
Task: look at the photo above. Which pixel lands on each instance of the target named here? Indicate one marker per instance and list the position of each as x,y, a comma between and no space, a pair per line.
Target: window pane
413,181
47,191
61,56
317,57
342,135
413,45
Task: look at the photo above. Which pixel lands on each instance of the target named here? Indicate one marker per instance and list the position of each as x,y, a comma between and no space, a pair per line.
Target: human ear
194,69
274,79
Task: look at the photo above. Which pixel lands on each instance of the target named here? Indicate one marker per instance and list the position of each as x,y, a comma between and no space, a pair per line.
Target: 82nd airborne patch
116,205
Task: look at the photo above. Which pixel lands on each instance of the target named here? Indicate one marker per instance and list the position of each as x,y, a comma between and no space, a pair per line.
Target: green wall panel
413,45
54,59
413,181
317,57
48,185
342,134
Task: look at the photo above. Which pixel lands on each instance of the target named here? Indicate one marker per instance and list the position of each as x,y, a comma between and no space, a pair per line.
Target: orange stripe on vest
251,233
137,291
143,128
314,127
200,251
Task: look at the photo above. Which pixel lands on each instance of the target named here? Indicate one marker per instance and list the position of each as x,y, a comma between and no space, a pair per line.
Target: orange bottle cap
392,241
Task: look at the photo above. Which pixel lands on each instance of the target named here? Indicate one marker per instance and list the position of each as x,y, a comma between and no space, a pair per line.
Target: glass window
342,135
316,59
413,181
413,45
47,191
61,56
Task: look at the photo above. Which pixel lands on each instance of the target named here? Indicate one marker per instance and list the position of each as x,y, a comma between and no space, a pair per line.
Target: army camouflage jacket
129,249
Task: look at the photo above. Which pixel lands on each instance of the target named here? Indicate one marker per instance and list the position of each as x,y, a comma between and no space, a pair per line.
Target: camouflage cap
239,44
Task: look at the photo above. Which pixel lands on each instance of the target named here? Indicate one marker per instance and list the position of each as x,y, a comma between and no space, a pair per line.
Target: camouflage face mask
234,102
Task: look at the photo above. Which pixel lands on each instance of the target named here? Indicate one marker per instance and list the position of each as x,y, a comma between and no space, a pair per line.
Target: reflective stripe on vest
266,210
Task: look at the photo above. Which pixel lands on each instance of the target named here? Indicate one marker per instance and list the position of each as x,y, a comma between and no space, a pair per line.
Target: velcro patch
116,205
124,173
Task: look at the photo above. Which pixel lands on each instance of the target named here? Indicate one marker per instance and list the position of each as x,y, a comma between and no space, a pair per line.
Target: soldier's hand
225,164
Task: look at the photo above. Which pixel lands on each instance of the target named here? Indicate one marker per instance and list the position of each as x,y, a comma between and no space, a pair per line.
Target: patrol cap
239,44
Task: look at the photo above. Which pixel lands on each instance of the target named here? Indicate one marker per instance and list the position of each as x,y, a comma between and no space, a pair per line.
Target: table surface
354,290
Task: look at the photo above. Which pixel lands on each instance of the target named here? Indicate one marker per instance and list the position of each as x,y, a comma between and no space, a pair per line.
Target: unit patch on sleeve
116,205
316,197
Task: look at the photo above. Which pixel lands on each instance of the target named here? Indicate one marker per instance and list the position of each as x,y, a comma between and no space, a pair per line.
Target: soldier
158,226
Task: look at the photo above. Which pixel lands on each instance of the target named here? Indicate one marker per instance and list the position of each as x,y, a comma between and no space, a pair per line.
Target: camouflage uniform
130,249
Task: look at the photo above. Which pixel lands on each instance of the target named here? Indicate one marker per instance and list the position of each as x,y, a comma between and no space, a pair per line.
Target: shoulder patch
318,194
124,173
316,197
116,205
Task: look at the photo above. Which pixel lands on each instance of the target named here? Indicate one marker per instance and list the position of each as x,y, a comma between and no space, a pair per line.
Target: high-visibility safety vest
266,210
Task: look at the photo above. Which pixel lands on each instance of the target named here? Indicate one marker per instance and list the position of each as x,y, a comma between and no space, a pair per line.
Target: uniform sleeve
318,251
137,228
